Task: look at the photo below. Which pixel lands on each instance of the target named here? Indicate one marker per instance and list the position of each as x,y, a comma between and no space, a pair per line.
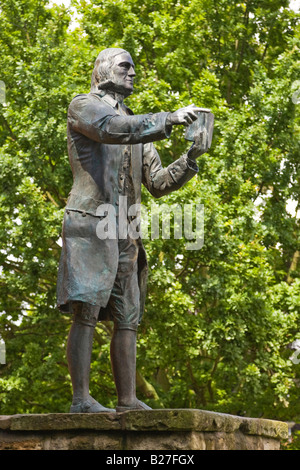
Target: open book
204,124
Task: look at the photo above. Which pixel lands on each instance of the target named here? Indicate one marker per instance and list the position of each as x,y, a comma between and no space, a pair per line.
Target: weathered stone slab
173,429
62,422
201,420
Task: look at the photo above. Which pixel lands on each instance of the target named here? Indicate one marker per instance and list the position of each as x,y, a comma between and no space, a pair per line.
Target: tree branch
145,387
293,266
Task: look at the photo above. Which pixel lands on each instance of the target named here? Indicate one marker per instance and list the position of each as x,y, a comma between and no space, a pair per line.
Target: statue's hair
101,78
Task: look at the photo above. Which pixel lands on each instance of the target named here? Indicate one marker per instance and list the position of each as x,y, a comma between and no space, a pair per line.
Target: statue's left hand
200,146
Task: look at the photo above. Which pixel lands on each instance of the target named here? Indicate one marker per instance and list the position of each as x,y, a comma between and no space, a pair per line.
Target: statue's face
122,73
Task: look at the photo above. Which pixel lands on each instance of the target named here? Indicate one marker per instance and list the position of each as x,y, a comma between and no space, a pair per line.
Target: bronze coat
98,139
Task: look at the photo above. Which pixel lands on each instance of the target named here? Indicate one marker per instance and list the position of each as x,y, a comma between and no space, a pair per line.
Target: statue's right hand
185,116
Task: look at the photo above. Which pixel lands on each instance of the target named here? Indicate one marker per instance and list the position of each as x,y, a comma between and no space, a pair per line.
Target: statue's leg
123,361
124,306
79,350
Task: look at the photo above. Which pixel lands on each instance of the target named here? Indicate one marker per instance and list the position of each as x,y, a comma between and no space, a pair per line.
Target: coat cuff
182,170
156,123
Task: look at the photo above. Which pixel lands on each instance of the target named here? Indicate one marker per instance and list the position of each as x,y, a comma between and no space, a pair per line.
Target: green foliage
218,321
294,444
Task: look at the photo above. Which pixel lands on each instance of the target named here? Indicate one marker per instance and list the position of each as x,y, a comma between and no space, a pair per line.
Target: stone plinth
174,429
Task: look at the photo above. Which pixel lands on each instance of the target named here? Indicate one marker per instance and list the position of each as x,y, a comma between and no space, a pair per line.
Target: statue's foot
138,405
90,406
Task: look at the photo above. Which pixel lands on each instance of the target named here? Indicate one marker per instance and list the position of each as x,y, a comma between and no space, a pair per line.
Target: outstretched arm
96,120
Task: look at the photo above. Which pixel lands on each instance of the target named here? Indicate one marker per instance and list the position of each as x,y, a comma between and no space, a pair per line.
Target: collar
110,100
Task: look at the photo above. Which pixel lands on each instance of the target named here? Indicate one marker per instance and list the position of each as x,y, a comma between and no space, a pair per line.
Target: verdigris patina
103,275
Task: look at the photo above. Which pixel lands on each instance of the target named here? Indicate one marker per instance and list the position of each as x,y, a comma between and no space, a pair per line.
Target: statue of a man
111,154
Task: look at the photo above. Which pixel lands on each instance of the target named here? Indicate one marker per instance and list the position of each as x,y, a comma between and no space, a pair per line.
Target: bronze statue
111,154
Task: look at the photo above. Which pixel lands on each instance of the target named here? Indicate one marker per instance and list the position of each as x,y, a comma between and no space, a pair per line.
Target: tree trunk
293,266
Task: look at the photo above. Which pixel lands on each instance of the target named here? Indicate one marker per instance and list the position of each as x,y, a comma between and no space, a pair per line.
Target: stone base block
174,429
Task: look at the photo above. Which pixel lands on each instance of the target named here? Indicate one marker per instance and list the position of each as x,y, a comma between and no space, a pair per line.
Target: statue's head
114,71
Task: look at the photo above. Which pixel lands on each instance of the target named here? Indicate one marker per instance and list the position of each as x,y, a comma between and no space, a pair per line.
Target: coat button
83,214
